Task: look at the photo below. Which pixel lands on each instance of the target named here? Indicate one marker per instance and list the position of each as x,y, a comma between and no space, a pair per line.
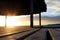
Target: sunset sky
52,16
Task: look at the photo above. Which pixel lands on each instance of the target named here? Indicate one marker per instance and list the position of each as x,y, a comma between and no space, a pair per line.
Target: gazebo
23,7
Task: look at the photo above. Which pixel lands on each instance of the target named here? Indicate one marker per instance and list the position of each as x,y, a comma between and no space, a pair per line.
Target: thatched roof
21,7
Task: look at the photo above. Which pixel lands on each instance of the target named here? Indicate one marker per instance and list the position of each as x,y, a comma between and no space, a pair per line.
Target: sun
10,21
2,21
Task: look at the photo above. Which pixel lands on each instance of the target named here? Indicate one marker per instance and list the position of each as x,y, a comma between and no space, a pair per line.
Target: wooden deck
55,34
30,34
40,35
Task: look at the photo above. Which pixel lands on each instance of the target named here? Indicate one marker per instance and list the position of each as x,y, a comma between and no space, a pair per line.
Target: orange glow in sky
10,21
2,20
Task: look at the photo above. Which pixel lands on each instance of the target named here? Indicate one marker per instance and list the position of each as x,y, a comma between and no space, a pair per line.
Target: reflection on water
5,31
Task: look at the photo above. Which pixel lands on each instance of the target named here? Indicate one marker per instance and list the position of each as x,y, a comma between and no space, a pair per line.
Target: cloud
53,8
53,4
57,18
50,20
54,19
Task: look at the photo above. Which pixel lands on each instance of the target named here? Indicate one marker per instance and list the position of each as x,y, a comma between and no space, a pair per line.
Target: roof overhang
21,7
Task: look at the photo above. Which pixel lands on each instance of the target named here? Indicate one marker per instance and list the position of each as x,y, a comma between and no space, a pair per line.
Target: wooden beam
31,13
40,19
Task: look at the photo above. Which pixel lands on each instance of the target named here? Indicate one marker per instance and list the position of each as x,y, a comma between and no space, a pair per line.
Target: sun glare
2,21
10,21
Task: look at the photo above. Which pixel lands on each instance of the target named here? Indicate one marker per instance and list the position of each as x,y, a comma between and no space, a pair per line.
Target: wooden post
31,13
39,19
5,20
